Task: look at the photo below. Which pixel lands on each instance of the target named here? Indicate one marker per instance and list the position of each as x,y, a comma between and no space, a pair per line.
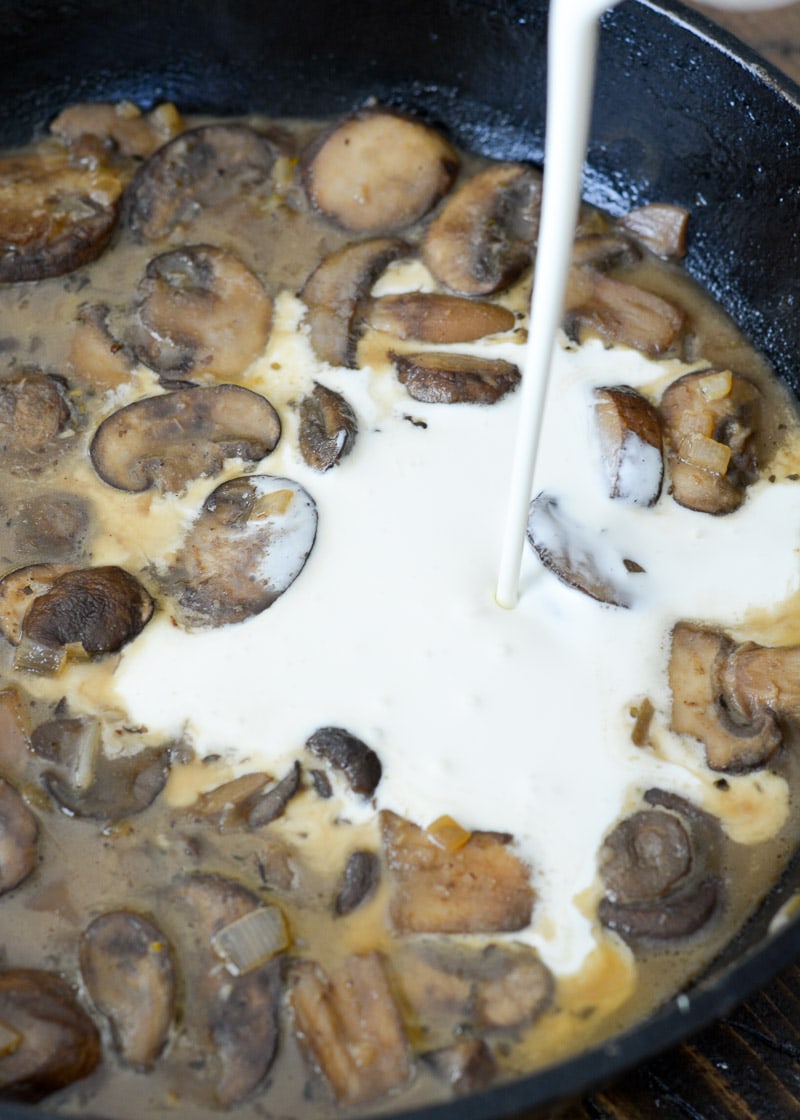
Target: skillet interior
682,114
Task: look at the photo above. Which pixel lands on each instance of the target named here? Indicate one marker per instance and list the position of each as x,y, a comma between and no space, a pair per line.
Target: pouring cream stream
571,58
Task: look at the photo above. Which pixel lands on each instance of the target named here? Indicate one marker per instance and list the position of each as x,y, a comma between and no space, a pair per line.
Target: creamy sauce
513,720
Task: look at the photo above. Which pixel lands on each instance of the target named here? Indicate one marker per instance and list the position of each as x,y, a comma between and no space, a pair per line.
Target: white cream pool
506,720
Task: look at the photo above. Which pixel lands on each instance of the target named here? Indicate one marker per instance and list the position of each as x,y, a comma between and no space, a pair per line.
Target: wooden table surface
747,1067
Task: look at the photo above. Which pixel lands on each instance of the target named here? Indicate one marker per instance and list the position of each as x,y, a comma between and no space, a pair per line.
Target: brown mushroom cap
660,869
619,311
202,313
99,608
166,441
207,167
120,127
54,216
127,967
347,753
433,317
57,1041
629,428
248,545
333,290
378,171
483,237
697,663
33,411
710,421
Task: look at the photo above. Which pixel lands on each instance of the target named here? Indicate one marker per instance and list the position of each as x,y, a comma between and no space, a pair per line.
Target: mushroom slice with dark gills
333,291
349,1027
660,870
328,428
54,216
484,235
19,838
434,317
444,378
377,171
709,702
579,558
166,441
87,780
629,428
33,413
202,315
246,547
710,422
205,168
127,967
53,608
230,1017
482,887
53,1040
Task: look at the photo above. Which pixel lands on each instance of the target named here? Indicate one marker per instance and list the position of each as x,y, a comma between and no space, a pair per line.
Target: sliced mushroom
483,237
202,314
358,763
621,312
757,678
439,378
204,168
33,412
267,805
659,867
603,250
247,546
15,737
54,217
99,609
359,881
710,422
86,781
661,226
333,293
699,708
629,427
127,967
483,887
230,1020
579,558
431,317
53,525
97,359
120,127
378,171
19,838
467,1065
166,441
328,428
349,1027
56,1043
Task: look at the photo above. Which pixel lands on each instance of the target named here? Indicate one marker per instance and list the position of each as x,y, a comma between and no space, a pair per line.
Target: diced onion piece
717,385
38,658
252,940
9,1039
448,834
700,451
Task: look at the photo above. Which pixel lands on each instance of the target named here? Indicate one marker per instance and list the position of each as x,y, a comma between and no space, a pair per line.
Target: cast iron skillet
683,113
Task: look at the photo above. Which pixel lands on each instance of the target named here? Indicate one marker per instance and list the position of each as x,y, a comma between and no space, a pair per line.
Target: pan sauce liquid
501,720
